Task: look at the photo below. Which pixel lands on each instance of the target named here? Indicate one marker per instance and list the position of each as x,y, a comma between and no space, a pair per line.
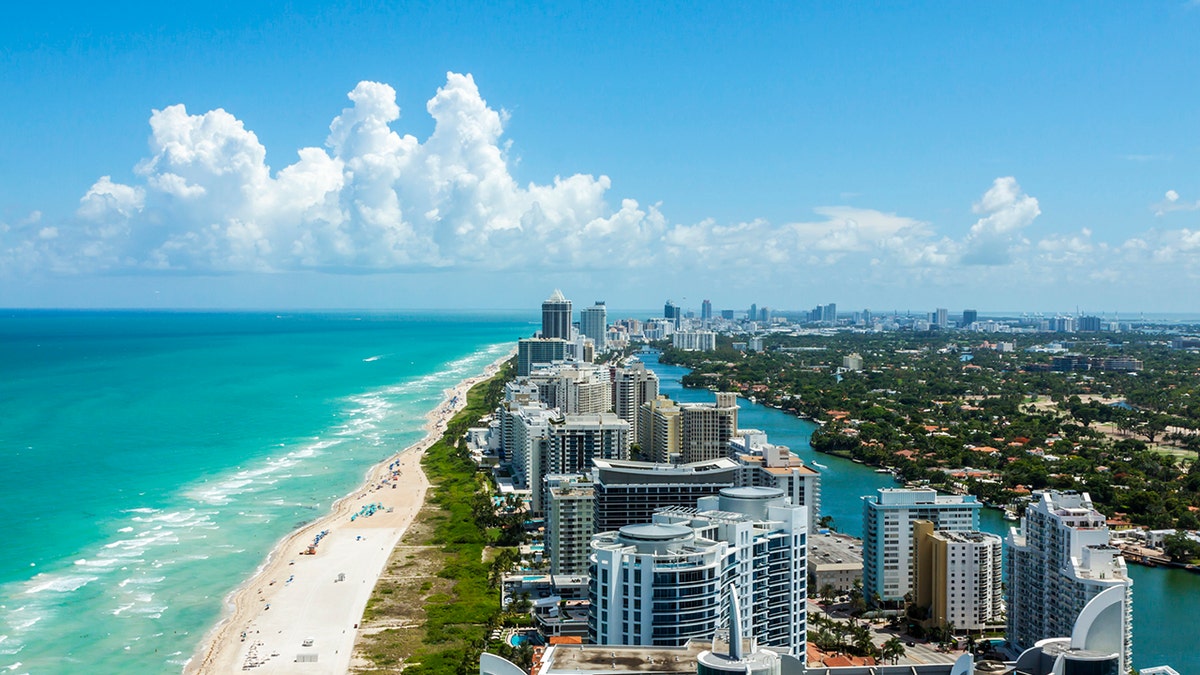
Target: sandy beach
300,612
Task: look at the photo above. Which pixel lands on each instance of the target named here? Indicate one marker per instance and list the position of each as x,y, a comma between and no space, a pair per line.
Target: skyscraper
957,577
1056,562
706,311
829,313
662,583
672,313
888,520
970,316
556,316
632,385
593,322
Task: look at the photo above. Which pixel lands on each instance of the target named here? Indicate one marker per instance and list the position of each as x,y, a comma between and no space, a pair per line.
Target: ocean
151,460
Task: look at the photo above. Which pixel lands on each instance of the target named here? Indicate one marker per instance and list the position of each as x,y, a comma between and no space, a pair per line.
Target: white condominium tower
632,385
957,577
569,511
1056,562
663,583
888,520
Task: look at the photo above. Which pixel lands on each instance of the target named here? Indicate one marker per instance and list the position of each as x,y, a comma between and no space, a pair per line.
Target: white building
695,341
632,385
852,362
762,464
888,520
571,443
1057,561
957,577
663,583
574,387
569,509
524,427
705,429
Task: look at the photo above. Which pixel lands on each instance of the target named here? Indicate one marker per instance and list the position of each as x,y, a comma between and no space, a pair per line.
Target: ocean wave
267,474
58,583
98,562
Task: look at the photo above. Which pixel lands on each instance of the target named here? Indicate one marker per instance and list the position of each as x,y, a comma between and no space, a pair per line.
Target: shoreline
319,597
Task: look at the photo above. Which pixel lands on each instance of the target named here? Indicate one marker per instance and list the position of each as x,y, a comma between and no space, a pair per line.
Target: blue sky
1034,156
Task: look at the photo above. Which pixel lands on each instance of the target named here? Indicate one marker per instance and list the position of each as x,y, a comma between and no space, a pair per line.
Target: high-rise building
574,387
705,428
593,322
569,511
672,313
706,311
632,385
957,577
568,446
534,351
1088,324
767,465
1057,561
752,315
663,583
525,429
575,440
659,421
556,316
940,318
630,492
694,340
829,313
969,317
888,519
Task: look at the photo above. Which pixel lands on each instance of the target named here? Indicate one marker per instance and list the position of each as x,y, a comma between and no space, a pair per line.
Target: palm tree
828,593
893,650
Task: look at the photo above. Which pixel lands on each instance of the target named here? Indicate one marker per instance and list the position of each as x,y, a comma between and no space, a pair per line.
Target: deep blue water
151,460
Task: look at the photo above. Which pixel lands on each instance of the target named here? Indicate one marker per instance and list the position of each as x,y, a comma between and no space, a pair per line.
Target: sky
998,156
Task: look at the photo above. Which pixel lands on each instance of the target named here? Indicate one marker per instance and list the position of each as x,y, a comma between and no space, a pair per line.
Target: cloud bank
372,200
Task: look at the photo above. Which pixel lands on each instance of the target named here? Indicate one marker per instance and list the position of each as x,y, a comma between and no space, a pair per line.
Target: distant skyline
917,156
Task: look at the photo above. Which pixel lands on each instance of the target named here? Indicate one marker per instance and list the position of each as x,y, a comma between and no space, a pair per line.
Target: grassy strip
432,610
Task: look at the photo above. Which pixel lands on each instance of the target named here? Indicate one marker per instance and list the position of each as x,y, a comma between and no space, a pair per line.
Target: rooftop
633,659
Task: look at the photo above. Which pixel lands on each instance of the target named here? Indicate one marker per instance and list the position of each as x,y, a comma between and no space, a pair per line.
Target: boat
819,465
883,470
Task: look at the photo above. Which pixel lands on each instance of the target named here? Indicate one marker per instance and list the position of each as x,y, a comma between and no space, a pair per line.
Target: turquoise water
151,460
1162,598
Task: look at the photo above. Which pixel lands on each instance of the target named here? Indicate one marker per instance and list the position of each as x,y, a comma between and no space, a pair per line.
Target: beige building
659,422
957,577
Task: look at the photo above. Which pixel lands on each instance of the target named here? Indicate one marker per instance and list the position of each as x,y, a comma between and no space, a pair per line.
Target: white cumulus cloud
1006,211
371,199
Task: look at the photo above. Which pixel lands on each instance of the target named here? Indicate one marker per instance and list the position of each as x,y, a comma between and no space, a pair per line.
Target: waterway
1162,598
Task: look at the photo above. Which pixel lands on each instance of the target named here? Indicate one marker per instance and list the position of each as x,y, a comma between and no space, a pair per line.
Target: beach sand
300,613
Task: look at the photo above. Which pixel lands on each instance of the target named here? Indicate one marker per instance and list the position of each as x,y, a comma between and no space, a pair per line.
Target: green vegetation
437,603
931,405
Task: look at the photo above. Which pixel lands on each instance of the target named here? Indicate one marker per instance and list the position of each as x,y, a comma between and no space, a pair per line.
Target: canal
1162,598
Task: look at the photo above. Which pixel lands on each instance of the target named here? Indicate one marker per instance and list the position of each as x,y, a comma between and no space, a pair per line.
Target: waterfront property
888,519
1058,561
